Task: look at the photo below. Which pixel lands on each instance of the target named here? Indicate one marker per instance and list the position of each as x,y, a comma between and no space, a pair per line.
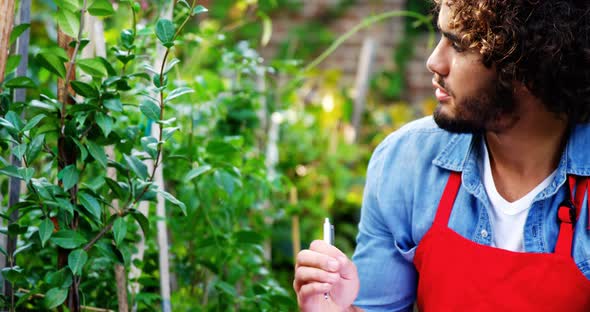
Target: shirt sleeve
387,277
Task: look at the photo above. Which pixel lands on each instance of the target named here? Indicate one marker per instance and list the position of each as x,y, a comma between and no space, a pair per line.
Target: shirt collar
577,151
576,158
454,154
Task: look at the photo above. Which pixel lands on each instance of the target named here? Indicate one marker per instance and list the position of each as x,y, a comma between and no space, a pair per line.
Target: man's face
469,95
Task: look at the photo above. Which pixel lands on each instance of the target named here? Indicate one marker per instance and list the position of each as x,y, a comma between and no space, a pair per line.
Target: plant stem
162,109
71,64
104,230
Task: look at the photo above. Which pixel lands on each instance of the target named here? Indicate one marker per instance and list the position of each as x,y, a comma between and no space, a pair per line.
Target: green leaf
55,297
142,220
110,251
17,31
171,65
35,147
12,63
114,104
59,279
12,274
68,239
93,67
19,150
116,188
225,180
248,237
69,176
221,148
15,120
45,230
183,2
76,260
158,83
226,288
165,30
20,173
150,109
20,82
22,248
101,8
26,173
9,127
11,171
71,5
168,132
119,230
196,172
98,153
15,229
137,166
33,122
65,205
52,63
69,22
59,52
127,38
199,9
84,89
105,123
173,200
91,204
150,146
178,92
83,151
266,29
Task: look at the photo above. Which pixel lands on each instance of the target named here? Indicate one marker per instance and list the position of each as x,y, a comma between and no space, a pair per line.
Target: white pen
328,238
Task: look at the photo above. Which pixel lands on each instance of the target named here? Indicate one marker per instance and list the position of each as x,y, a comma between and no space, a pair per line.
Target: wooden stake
22,48
6,23
295,228
362,83
97,47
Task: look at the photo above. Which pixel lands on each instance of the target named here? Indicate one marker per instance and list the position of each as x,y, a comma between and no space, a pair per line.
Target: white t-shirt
508,218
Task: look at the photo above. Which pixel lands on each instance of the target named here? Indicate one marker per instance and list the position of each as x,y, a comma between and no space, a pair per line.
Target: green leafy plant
68,208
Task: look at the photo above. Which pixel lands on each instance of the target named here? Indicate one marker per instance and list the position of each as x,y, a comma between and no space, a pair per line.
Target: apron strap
568,213
445,206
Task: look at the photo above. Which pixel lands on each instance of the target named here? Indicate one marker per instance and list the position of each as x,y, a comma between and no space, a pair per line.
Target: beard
477,114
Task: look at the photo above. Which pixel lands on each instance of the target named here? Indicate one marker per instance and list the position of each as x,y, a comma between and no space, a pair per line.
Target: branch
162,108
71,64
104,230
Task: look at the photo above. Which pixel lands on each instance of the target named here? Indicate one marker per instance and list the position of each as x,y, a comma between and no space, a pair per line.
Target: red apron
456,274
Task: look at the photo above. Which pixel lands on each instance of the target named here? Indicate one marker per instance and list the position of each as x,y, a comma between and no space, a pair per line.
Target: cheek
470,77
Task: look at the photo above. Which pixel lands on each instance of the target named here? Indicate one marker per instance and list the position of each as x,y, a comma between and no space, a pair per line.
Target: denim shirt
405,180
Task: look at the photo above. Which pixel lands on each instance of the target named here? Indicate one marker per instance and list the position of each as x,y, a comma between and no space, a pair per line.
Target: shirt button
484,233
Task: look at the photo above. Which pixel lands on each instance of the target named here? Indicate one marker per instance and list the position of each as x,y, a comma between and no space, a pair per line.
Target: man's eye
457,47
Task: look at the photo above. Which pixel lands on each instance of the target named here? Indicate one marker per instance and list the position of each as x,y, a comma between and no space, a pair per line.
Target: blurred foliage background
263,153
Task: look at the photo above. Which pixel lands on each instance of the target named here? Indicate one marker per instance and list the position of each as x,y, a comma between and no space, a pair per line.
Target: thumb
347,268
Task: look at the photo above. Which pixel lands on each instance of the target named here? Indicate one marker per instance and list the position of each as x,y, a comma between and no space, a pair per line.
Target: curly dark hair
545,44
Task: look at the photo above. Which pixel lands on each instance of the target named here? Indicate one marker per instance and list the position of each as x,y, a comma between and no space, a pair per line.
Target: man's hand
325,269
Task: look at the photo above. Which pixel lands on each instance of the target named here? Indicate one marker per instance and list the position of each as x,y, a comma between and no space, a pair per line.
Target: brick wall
386,34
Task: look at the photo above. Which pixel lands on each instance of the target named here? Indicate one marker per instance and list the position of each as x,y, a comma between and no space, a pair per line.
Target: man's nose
438,62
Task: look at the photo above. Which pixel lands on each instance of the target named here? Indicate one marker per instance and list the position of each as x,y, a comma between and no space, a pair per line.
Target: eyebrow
452,37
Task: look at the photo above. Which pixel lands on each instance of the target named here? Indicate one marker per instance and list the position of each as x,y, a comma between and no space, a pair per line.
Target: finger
325,248
314,259
347,268
307,275
314,289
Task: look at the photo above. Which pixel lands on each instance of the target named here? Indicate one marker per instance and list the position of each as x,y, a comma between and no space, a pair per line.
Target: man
483,206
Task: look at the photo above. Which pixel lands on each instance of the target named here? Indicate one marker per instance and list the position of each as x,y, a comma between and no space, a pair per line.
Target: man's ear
520,89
